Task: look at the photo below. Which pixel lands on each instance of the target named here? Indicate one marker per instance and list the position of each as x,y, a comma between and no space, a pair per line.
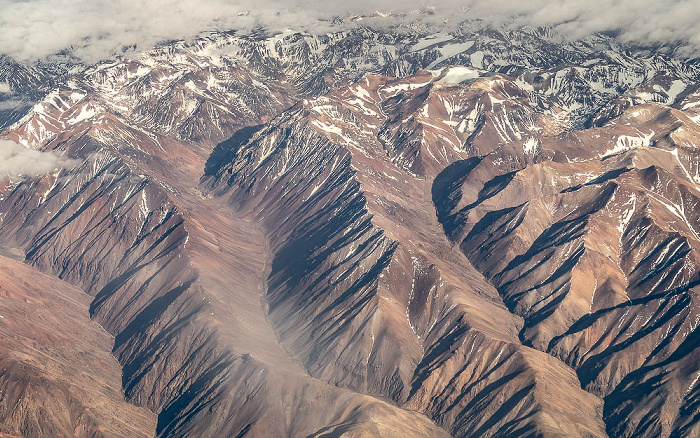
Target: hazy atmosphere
95,29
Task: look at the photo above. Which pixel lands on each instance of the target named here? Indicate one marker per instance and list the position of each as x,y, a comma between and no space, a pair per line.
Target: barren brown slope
364,289
58,377
177,279
340,185
365,304
594,242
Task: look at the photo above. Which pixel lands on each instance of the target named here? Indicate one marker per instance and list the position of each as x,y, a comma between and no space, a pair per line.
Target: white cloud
7,105
638,21
32,29
17,160
5,88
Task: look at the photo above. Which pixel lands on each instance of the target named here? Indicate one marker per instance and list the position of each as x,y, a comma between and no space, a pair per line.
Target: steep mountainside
361,234
58,378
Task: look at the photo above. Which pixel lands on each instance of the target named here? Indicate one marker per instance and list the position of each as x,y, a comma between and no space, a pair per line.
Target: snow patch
477,59
430,41
531,146
86,112
456,75
451,50
628,142
674,90
393,90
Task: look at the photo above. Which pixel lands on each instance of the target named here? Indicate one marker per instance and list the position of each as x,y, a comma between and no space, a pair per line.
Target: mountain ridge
370,208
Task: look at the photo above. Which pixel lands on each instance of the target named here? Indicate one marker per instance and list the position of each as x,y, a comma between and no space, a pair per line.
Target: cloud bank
96,29
17,160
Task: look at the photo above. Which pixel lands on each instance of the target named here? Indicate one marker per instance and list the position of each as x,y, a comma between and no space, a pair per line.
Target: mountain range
363,233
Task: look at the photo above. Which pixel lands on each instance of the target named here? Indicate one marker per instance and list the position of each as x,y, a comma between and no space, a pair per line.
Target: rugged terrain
358,234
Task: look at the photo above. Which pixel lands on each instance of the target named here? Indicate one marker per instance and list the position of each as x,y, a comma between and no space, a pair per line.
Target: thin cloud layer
668,22
17,160
96,29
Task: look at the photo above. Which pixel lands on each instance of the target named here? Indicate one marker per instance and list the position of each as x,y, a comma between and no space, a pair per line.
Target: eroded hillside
307,236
